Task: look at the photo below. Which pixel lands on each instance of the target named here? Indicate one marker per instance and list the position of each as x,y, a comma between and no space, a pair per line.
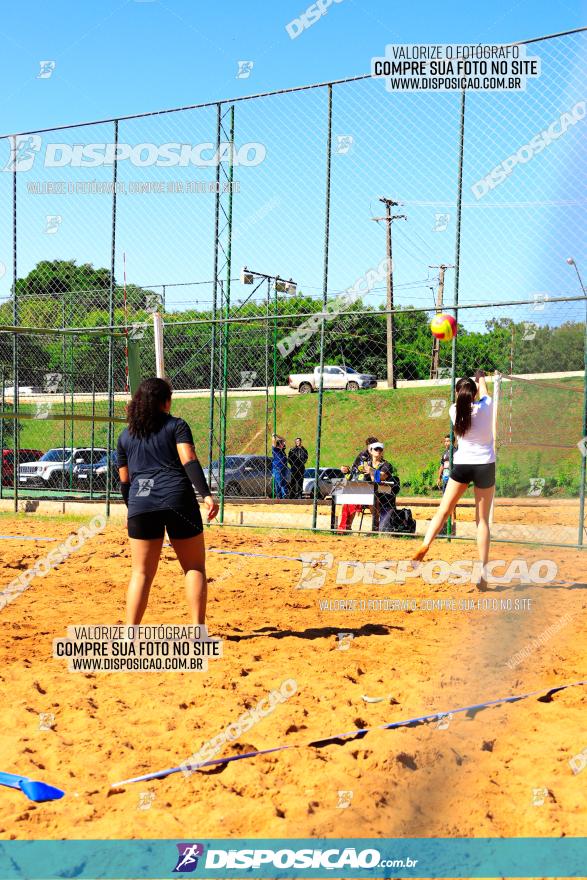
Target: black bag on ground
397,520
395,486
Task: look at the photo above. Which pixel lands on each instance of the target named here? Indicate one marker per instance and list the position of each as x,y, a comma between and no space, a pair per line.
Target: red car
24,455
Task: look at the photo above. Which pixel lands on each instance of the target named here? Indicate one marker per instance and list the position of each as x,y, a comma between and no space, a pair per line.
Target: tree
53,278
9,427
55,285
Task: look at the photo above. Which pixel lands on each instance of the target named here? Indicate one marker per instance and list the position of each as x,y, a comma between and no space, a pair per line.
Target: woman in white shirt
473,462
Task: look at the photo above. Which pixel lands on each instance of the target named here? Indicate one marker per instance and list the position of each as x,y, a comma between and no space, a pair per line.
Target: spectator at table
378,470
349,511
362,458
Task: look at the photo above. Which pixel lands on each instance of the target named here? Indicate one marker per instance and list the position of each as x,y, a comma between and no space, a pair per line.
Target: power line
425,252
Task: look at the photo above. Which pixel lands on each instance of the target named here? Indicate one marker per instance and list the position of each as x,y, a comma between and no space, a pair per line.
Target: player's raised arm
481,383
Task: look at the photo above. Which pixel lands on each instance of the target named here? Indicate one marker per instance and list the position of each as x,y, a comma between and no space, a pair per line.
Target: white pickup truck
344,378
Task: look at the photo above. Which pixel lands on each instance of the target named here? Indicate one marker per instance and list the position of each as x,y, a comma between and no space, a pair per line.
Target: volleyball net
232,382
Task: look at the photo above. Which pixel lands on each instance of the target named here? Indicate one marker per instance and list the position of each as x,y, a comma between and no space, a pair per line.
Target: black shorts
481,475
182,523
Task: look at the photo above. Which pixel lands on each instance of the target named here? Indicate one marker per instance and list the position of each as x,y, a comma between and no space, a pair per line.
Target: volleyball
444,327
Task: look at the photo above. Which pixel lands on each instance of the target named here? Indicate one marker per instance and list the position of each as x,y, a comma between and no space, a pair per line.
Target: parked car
55,468
329,478
341,378
248,475
24,455
95,474
23,390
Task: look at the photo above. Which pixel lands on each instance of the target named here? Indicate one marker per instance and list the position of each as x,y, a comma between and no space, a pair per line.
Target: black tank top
158,480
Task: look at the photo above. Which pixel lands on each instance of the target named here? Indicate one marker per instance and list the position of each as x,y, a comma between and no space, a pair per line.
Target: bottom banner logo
187,861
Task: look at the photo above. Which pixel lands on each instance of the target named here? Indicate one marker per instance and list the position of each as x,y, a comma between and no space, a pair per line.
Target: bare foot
420,553
482,585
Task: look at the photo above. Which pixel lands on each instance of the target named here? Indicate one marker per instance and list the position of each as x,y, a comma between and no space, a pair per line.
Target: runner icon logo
187,860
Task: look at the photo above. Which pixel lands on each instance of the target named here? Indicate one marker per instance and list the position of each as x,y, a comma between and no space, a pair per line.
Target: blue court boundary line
342,738
232,552
25,538
167,544
244,553
254,555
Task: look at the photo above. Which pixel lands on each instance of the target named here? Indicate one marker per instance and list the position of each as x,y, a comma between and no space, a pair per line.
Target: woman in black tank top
159,471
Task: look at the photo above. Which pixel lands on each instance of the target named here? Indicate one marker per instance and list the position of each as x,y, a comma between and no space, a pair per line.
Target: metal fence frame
222,327
222,320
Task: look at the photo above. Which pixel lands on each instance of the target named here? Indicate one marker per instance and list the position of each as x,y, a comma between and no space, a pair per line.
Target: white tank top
476,446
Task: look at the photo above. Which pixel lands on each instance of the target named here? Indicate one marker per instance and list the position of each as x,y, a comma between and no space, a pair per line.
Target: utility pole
389,218
436,342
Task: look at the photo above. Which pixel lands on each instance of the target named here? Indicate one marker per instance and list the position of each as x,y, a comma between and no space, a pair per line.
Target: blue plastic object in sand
35,791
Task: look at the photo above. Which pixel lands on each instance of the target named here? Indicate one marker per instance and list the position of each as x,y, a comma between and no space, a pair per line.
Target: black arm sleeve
124,491
196,477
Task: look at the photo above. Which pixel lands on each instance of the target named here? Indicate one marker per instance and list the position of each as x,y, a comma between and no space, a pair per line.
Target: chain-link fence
300,242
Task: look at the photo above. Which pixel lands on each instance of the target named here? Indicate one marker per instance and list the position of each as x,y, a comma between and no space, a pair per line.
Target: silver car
329,478
248,475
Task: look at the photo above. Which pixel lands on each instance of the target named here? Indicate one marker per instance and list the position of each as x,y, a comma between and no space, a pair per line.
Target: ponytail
466,392
145,411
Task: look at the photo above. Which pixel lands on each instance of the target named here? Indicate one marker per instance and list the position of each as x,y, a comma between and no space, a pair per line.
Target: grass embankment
538,429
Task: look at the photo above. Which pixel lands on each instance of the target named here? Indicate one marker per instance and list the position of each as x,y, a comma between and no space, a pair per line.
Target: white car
55,469
334,378
329,478
23,391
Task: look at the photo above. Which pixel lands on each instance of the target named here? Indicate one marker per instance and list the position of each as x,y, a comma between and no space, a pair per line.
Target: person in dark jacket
159,471
279,466
297,458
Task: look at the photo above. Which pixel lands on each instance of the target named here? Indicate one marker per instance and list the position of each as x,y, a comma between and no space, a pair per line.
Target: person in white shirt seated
473,462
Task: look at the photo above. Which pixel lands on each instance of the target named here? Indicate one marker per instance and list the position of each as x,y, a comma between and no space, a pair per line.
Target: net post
215,282
110,432
275,310
583,467
453,380
225,330
93,439
324,303
15,319
496,396
64,380
71,389
159,352
2,388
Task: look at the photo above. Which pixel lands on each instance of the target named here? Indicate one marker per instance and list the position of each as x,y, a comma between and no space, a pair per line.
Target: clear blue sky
118,58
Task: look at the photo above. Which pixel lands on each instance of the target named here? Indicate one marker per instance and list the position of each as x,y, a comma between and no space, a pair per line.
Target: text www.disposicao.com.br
135,664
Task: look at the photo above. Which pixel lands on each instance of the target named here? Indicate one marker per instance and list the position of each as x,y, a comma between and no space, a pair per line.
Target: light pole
572,262
390,324
583,445
436,342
